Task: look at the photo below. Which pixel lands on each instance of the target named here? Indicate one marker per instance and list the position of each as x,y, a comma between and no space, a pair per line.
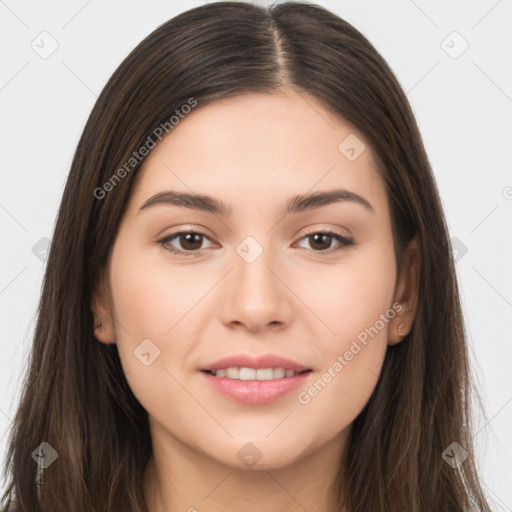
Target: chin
255,453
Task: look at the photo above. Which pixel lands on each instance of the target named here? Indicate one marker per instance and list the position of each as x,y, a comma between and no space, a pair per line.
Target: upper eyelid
202,233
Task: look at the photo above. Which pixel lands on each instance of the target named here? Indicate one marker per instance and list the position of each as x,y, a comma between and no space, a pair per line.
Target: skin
254,153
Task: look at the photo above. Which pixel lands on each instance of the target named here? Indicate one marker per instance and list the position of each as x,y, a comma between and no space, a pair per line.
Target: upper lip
261,361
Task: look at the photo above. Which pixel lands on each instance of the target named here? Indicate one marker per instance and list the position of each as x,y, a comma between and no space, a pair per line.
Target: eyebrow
297,204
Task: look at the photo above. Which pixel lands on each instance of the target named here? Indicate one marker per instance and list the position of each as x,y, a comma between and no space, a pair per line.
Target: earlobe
399,334
407,293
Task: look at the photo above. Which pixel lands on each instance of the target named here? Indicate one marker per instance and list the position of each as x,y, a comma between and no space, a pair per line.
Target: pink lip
256,391
263,361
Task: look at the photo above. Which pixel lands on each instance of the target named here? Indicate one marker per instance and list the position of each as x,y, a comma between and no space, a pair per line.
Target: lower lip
256,391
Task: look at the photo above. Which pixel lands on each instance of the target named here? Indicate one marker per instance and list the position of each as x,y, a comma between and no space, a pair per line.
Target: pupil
189,241
316,236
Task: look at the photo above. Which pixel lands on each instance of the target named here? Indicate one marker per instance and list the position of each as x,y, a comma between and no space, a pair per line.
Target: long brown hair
75,396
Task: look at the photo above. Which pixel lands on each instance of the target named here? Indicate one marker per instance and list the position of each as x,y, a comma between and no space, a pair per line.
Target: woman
307,350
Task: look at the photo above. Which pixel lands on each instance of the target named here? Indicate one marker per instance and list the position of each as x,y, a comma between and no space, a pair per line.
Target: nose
255,294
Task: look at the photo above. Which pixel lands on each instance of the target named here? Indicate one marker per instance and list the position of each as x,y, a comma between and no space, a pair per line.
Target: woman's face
258,280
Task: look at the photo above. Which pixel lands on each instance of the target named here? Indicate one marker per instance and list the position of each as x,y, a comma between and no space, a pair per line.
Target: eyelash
345,242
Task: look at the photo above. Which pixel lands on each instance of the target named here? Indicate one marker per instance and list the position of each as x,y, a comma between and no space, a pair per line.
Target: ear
407,293
101,306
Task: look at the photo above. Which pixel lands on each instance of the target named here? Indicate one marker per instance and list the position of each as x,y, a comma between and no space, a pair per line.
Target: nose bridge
255,296
252,273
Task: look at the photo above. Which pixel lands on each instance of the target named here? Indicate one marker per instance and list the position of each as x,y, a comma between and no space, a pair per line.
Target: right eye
191,242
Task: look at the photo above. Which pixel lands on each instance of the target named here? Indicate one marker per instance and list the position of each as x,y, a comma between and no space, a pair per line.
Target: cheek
341,389
357,307
351,297
151,295
148,303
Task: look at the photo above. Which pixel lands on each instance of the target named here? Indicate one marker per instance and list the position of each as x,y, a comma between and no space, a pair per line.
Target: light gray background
462,101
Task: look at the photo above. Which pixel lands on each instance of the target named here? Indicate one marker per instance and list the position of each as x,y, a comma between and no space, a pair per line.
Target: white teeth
247,374
265,374
253,373
278,373
233,373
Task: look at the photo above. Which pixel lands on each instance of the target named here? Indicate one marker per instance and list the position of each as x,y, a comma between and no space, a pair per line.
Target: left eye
322,237
191,242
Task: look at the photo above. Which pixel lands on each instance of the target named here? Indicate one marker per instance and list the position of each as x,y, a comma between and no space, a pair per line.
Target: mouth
253,379
255,374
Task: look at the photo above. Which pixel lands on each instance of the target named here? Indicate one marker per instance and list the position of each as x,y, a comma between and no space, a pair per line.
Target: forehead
261,147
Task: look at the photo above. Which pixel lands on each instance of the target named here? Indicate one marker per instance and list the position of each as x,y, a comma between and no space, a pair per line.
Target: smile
245,373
